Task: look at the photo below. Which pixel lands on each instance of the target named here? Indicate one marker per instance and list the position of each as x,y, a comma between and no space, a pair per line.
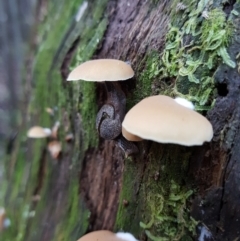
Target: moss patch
166,216
194,49
127,216
157,195
196,44
66,102
146,74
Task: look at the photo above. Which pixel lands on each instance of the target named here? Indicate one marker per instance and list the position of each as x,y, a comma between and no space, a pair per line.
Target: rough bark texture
133,29
215,167
219,170
101,192
116,190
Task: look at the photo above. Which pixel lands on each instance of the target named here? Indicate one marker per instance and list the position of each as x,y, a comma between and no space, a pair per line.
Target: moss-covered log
166,192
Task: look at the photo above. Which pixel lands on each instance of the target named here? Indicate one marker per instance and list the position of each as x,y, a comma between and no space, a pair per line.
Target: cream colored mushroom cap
161,119
104,235
38,132
102,70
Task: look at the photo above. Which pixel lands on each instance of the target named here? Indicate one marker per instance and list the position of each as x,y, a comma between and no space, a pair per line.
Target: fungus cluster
54,145
157,118
110,116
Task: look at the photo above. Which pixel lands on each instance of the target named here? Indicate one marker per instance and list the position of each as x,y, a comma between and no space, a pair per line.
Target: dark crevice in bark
222,195
228,6
101,184
41,172
218,208
222,89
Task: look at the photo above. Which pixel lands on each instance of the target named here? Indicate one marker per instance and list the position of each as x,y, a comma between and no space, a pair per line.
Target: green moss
195,47
165,215
128,215
75,219
169,216
89,113
157,198
48,91
146,73
193,52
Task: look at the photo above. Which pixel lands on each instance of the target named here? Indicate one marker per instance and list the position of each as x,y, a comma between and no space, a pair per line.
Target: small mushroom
55,148
69,137
2,218
49,110
4,221
104,235
161,119
38,132
110,116
55,128
102,70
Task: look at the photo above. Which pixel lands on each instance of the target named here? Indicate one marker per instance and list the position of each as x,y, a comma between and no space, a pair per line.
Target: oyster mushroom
38,132
110,116
161,119
102,70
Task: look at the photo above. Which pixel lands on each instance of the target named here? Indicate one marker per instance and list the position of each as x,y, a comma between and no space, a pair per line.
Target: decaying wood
133,29
218,171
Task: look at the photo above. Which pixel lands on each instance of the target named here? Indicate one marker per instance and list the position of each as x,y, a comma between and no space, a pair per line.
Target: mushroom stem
110,116
116,97
128,147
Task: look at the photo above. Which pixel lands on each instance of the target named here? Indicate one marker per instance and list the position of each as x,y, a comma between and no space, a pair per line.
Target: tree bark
158,193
